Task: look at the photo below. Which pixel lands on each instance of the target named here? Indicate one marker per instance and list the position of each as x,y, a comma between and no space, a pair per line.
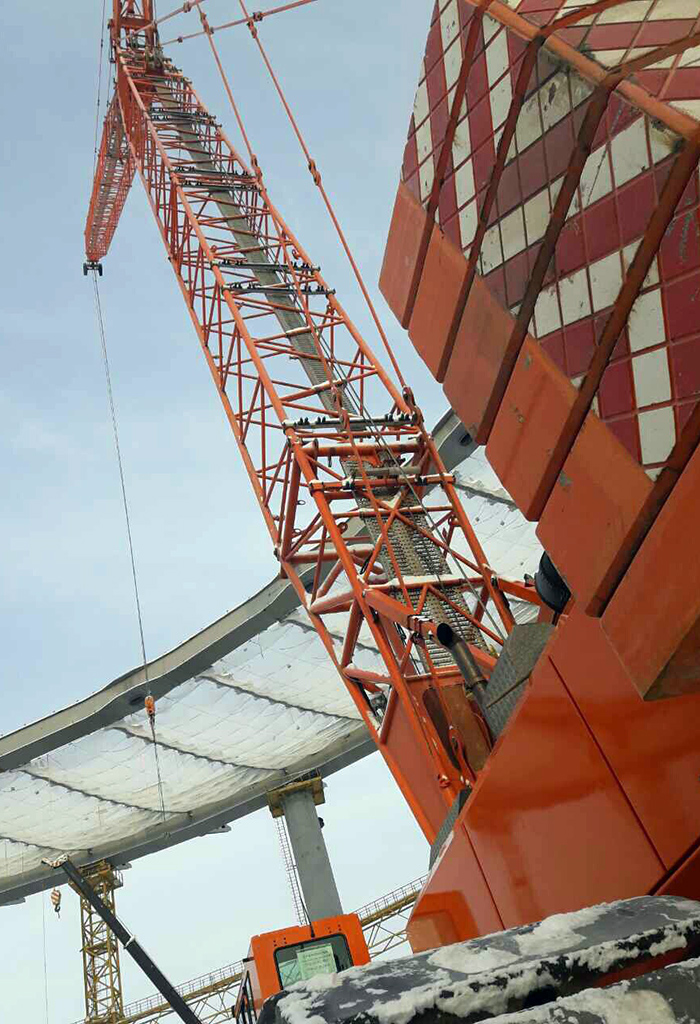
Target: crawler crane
365,521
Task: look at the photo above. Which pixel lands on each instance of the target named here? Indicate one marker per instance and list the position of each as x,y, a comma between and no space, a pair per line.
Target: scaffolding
290,869
384,921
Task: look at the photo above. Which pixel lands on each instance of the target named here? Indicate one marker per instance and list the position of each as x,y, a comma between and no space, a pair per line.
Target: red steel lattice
114,173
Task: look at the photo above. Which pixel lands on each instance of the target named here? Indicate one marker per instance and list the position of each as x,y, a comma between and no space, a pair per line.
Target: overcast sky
66,607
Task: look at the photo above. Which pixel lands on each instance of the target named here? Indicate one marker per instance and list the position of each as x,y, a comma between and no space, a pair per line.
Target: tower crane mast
338,455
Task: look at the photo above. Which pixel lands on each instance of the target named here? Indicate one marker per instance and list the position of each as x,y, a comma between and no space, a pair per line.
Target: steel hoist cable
149,701
193,5
315,174
46,973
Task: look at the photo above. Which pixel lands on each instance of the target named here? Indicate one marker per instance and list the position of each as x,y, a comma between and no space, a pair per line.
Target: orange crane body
548,280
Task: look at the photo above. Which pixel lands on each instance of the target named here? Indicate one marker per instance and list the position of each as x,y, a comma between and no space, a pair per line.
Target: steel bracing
384,921
100,949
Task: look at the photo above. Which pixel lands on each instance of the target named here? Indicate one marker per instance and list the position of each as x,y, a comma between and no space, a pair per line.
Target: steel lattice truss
380,552
339,459
115,173
384,921
101,970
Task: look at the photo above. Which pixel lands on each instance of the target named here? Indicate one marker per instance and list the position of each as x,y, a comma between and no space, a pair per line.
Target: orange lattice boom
113,177
342,489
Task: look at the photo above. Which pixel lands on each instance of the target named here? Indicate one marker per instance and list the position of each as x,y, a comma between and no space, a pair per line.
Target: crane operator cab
278,959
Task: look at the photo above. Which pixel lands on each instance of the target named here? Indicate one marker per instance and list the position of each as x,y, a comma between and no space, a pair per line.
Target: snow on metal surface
616,1006
498,974
268,709
669,996
651,385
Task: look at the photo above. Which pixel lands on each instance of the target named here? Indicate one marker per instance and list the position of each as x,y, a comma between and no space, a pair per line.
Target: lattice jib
338,457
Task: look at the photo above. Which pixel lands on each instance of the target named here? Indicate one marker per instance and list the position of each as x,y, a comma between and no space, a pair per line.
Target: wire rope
127,517
258,16
313,169
46,973
158,771
120,464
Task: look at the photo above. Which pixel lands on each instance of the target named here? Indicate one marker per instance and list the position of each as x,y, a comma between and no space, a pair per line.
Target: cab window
307,959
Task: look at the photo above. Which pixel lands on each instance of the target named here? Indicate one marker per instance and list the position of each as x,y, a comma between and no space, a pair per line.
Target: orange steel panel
620,810
430,802
534,410
595,501
656,607
682,673
405,252
651,746
456,903
550,825
685,880
439,289
476,357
